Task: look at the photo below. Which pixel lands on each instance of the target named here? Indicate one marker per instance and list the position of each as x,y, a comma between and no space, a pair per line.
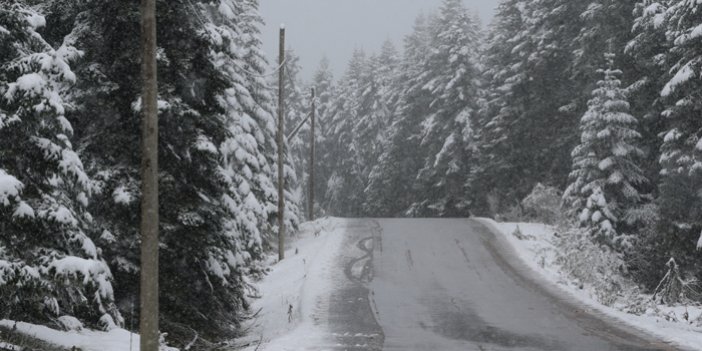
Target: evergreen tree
389,191
323,82
648,49
217,151
262,106
529,111
681,151
555,104
446,137
246,168
605,28
342,194
504,102
376,107
606,175
107,129
296,101
49,265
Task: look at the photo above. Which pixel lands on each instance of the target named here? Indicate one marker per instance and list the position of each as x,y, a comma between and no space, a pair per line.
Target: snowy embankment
303,281
84,339
535,246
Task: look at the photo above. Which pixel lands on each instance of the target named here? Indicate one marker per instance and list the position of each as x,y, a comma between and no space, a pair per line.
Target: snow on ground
303,280
86,340
538,251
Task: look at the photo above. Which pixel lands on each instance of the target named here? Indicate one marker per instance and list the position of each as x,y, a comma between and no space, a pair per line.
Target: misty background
315,28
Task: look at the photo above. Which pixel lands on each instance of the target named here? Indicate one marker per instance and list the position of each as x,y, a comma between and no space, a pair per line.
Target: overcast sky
315,28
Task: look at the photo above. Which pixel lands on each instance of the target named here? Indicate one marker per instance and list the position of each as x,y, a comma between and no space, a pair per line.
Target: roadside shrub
543,204
594,265
654,247
674,289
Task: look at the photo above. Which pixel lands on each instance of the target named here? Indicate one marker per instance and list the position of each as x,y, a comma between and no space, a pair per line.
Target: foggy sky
315,28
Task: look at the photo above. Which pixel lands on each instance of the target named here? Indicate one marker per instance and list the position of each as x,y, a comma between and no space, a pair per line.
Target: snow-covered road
428,284
446,285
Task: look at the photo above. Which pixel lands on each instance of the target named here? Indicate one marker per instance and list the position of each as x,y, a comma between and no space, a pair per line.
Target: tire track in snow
353,318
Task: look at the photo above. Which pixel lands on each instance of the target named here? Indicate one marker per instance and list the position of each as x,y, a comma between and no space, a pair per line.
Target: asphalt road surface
452,284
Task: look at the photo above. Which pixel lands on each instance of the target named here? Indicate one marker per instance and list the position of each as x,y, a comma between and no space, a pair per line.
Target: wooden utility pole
311,169
148,324
281,147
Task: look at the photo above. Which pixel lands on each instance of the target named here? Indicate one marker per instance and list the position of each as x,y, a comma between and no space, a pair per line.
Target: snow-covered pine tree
647,50
505,100
323,82
49,266
554,104
605,27
529,107
262,107
523,127
296,102
446,140
199,256
342,196
389,191
217,148
248,153
606,177
106,128
359,116
376,108
681,151
237,245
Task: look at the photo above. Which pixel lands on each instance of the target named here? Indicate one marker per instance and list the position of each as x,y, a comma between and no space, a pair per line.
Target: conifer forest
581,115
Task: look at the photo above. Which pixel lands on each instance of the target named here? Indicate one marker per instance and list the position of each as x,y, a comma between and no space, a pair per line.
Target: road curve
452,284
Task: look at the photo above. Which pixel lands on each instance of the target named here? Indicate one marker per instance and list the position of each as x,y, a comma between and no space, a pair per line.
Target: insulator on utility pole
312,169
281,147
149,275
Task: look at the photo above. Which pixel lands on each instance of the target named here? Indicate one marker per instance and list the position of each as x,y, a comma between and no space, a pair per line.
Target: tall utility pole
148,323
311,169
281,147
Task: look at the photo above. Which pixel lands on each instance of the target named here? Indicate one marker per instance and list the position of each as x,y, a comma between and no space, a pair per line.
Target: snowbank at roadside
302,280
534,244
86,340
